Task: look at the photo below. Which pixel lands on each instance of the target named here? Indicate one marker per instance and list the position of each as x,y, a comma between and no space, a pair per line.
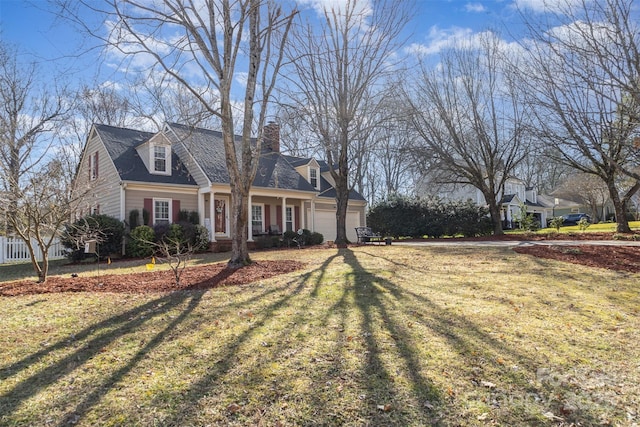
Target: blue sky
44,38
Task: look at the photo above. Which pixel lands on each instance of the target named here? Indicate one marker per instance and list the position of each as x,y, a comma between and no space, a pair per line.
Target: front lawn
373,335
603,227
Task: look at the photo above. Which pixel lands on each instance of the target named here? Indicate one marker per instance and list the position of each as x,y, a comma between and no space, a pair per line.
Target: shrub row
401,216
289,239
142,241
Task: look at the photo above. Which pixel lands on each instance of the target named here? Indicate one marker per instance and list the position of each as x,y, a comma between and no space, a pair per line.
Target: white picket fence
14,249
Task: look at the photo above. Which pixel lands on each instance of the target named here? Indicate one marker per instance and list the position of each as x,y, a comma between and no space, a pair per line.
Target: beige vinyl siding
106,187
134,199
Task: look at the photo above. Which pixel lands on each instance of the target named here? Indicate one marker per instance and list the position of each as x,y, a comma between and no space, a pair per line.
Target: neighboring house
515,194
557,206
184,168
571,204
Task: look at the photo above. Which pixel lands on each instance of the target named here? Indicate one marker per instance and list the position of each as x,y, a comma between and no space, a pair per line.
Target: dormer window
160,158
313,178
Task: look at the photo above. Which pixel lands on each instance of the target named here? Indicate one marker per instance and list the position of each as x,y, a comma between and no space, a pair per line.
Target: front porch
268,215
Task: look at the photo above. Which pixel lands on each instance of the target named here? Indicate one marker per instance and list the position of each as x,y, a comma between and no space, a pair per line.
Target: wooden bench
366,235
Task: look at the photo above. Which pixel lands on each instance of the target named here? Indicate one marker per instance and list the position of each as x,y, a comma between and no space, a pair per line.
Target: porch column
313,215
212,215
284,215
201,212
249,223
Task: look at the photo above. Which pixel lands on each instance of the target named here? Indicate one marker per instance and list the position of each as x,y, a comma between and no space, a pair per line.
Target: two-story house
515,195
184,168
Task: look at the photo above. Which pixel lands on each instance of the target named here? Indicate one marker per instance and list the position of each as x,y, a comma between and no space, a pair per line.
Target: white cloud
474,7
459,38
241,78
439,39
320,6
547,6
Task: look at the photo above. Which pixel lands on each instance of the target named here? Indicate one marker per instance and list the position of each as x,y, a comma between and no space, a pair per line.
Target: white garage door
326,224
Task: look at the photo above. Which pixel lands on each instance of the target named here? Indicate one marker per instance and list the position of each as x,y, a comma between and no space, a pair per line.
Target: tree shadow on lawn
373,386
100,336
518,394
334,393
206,386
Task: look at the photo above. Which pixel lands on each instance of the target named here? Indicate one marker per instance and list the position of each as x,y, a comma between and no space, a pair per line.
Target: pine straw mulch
192,278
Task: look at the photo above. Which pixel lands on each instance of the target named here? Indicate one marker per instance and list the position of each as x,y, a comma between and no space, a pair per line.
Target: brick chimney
271,135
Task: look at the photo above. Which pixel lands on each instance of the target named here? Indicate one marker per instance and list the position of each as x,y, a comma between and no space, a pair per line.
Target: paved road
514,243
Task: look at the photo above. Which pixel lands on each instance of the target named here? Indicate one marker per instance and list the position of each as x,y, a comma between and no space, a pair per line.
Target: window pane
313,174
161,211
160,161
288,219
256,215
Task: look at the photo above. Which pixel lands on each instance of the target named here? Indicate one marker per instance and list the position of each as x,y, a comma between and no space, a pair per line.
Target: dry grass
383,335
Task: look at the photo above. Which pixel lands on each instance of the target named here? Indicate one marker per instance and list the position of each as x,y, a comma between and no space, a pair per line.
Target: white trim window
160,158
257,218
313,178
289,219
161,211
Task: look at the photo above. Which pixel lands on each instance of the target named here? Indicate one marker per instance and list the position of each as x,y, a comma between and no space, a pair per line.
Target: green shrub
583,224
406,217
266,242
529,223
146,217
107,231
556,222
194,217
200,239
316,238
183,215
289,238
303,238
140,242
134,218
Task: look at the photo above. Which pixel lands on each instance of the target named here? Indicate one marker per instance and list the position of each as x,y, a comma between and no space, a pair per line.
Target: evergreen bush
107,231
141,242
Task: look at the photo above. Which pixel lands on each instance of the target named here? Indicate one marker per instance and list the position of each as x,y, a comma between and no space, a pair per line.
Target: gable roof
207,148
508,198
121,145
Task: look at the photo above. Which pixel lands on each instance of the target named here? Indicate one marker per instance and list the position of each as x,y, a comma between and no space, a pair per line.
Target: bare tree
44,202
587,189
540,170
584,81
337,68
158,99
470,115
387,160
202,46
27,112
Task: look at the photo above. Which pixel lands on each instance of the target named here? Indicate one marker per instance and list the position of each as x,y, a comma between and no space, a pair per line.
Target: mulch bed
192,278
540,237
620,258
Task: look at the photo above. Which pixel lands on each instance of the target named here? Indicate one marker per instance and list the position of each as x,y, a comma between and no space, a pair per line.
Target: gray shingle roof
207,148
121,145
275,170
